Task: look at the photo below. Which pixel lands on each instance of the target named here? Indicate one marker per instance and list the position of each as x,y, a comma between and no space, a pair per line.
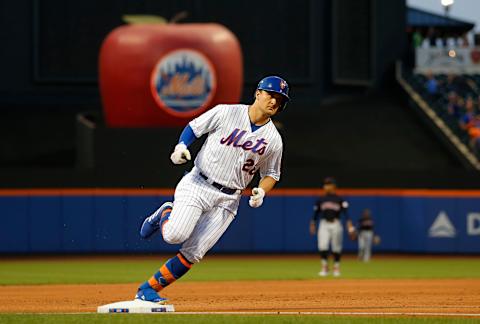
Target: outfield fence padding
94,221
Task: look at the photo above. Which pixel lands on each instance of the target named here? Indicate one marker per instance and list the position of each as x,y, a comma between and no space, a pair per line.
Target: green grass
27,272
134,270
131,318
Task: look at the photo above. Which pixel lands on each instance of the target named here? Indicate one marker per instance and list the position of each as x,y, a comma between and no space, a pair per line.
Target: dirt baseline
341,295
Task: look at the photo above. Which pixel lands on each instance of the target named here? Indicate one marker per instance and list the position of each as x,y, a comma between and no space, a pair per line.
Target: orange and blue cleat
151,224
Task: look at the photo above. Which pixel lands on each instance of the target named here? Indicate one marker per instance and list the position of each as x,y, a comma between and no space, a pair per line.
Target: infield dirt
322,295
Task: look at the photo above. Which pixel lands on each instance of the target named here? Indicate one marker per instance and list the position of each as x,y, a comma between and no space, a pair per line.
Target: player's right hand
180,154
352,232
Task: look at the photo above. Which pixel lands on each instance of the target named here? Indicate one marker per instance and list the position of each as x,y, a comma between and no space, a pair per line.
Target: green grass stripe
214,319
66,271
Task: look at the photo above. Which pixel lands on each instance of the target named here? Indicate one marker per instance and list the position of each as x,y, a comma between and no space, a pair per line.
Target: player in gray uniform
242,140
366,237
327,211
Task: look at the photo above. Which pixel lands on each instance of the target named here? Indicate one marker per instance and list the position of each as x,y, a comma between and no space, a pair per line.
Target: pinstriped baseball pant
201,214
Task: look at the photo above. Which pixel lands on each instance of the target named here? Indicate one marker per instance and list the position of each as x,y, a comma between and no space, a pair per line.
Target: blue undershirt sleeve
187,136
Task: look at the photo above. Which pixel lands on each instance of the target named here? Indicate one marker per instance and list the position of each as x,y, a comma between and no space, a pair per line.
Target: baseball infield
390,294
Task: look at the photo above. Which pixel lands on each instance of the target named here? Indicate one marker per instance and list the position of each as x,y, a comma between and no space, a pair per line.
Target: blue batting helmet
275,84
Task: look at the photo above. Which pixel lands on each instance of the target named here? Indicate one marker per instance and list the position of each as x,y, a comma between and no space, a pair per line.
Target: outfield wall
103,220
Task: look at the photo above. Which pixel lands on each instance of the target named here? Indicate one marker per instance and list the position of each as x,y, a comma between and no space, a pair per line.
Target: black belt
228,191
330,220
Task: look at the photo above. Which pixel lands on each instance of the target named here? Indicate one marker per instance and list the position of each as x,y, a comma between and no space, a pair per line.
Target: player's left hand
256,199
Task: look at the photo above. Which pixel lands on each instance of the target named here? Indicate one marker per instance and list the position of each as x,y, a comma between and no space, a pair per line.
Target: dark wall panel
390,39
79,216
45,224
14,231
110,236
67,36
298,211
240,225
264,221
412,224
352,23
274,38
368,36
51,48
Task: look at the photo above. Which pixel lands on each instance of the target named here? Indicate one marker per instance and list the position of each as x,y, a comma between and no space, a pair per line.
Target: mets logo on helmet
183,82
283,84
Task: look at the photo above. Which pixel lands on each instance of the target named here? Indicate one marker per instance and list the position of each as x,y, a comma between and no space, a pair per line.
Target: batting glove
180,154
256,199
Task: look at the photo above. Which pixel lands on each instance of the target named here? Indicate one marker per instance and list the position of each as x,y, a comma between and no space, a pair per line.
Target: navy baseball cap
329,180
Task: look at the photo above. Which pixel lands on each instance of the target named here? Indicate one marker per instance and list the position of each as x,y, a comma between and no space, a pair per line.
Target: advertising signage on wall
458,60
442,227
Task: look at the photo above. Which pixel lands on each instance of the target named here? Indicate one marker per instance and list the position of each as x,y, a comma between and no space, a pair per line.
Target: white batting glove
180,154
256,199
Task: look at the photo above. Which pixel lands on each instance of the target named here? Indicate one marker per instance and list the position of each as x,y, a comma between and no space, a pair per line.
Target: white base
135,306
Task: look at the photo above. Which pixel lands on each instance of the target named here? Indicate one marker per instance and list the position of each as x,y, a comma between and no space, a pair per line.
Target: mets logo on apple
183,82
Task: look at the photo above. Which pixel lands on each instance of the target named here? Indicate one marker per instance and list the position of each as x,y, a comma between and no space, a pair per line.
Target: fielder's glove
376,240
180,154
256,199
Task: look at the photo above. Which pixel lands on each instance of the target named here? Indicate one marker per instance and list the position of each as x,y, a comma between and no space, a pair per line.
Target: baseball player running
242,140
327,211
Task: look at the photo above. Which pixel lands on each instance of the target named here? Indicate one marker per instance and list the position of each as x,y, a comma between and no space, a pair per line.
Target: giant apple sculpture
163,75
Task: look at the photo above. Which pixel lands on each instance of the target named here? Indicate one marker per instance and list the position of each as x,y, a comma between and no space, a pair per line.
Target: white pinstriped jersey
233,153
230,156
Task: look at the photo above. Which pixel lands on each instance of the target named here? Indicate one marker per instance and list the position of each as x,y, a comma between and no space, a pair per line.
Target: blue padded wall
110,223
